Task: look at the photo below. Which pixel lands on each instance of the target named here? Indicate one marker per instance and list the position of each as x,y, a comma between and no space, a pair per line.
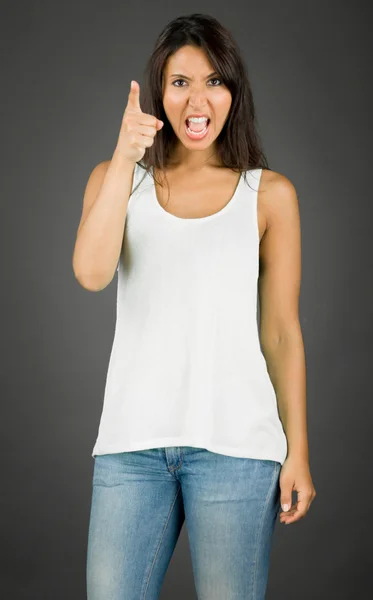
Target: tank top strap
138,177
253,177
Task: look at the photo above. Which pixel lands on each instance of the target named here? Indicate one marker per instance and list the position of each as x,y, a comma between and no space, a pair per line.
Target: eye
215,79
177,80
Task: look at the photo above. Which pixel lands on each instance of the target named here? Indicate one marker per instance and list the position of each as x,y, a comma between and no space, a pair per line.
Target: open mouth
194,134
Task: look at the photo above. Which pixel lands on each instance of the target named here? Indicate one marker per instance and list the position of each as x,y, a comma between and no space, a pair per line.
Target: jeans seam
260,528
172,469
160,543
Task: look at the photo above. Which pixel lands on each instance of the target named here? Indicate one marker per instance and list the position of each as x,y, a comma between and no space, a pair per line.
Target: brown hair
238,144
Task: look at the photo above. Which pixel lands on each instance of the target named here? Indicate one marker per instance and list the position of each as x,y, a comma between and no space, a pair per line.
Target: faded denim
140,500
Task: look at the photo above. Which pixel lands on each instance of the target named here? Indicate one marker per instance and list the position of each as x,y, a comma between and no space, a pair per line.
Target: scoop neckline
223,210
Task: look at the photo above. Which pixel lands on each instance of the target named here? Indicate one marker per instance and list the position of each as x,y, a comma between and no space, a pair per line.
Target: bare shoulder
279,259
277,197
92,189
98,172
103,166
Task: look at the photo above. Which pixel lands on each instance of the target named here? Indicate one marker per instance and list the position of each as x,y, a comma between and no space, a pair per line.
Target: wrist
121,161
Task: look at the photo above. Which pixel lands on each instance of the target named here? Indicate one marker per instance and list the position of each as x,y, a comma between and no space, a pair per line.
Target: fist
138,129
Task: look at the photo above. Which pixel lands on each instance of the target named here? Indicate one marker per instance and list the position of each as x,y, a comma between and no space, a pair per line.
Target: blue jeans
140,500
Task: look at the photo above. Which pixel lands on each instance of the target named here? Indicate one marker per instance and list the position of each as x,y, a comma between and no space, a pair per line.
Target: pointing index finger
134,96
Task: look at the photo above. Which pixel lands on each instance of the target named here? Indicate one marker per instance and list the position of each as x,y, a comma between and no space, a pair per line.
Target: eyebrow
189,78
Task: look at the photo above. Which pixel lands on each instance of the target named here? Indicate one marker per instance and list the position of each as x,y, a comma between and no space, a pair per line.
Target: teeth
197,119
197,132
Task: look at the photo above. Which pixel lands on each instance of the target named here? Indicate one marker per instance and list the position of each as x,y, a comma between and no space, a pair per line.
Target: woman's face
191,87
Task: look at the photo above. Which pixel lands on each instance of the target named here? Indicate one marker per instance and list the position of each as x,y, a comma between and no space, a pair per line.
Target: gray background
66,71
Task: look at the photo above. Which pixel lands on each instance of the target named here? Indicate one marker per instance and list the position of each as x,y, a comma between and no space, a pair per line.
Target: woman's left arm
281,336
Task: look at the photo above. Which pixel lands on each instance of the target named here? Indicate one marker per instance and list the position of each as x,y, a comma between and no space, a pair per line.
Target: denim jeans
140,500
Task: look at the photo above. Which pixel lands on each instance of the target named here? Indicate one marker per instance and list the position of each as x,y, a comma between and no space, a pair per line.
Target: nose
198,97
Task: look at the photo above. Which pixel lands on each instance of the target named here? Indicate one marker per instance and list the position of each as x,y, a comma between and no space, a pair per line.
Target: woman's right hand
138,129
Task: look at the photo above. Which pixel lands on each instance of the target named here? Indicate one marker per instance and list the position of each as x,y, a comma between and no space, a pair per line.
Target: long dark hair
238,144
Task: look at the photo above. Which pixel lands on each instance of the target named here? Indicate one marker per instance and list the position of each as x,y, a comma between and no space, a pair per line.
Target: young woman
204,419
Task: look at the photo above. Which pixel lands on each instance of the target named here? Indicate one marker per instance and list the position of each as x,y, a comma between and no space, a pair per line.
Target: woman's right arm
100,232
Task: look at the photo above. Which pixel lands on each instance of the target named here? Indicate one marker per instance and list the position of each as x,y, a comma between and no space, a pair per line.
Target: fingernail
285,507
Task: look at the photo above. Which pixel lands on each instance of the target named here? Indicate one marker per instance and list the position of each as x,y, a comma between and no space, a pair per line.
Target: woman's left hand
295,475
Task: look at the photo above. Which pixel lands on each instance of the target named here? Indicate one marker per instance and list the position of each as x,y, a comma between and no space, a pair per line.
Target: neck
194,160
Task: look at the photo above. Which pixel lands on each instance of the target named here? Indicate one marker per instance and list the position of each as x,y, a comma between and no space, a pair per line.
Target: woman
203,420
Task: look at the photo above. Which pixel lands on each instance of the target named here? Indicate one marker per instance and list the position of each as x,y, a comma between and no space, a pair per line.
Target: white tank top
186,366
